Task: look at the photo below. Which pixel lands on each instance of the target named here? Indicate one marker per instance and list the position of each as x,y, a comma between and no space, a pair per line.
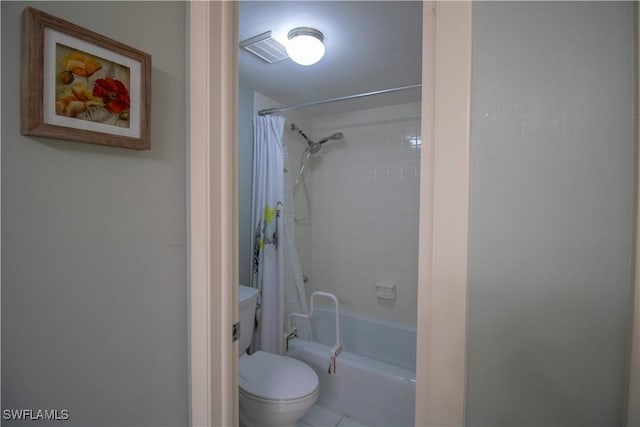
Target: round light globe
305,46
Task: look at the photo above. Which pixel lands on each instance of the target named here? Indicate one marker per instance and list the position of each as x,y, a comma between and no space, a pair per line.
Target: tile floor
323,417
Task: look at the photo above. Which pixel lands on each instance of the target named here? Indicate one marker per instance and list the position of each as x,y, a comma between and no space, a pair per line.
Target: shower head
336,136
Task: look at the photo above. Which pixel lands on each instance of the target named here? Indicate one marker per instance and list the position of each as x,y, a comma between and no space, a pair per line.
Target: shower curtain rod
342,98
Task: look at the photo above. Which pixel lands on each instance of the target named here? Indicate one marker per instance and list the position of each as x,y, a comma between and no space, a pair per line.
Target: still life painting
91,88
81,86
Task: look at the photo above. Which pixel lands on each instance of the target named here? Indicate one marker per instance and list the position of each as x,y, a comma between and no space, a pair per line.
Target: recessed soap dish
385,289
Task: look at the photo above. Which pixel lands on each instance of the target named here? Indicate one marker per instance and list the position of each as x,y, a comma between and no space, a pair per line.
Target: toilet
274,390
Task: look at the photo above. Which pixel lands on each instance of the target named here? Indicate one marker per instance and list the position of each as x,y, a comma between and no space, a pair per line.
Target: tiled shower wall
364,204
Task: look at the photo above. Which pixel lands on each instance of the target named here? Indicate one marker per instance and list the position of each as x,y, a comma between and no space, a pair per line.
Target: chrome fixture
338,99
314,146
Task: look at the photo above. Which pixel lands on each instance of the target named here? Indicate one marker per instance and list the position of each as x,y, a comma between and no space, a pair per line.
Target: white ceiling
370,45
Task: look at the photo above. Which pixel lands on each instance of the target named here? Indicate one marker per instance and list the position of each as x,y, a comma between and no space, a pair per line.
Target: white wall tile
365,209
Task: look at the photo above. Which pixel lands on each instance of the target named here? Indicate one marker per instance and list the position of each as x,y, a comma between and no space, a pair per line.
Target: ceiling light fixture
305,45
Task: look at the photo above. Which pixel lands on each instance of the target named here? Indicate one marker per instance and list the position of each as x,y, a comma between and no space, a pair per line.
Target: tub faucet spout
335,351
293,332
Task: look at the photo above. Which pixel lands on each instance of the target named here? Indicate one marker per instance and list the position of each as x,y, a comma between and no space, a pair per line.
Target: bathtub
375,380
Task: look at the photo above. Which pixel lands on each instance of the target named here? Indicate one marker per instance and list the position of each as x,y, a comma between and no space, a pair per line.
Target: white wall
94,291
365,210
551,214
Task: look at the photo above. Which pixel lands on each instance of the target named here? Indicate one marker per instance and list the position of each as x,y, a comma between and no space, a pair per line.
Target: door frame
213,209
441,363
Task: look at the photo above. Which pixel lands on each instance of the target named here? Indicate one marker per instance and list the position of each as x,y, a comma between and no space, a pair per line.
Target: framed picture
81,86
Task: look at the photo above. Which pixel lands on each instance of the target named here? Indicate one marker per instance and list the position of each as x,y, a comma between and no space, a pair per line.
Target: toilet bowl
274,390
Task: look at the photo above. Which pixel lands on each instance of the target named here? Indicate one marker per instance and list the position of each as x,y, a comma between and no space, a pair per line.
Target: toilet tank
247,298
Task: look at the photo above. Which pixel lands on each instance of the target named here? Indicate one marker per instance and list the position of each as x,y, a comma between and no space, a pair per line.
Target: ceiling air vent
266,47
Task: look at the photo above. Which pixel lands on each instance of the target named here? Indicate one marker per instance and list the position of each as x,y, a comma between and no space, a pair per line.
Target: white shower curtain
276,266
266,220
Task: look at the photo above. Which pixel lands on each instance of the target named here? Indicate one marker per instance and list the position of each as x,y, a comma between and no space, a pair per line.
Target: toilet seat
272,377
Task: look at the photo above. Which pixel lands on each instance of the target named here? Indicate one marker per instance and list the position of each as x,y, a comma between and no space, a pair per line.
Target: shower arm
296,128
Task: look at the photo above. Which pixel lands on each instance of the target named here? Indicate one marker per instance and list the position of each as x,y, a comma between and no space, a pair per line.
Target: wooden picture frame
81,86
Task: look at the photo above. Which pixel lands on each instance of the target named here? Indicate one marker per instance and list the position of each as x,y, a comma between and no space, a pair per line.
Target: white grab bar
336,349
